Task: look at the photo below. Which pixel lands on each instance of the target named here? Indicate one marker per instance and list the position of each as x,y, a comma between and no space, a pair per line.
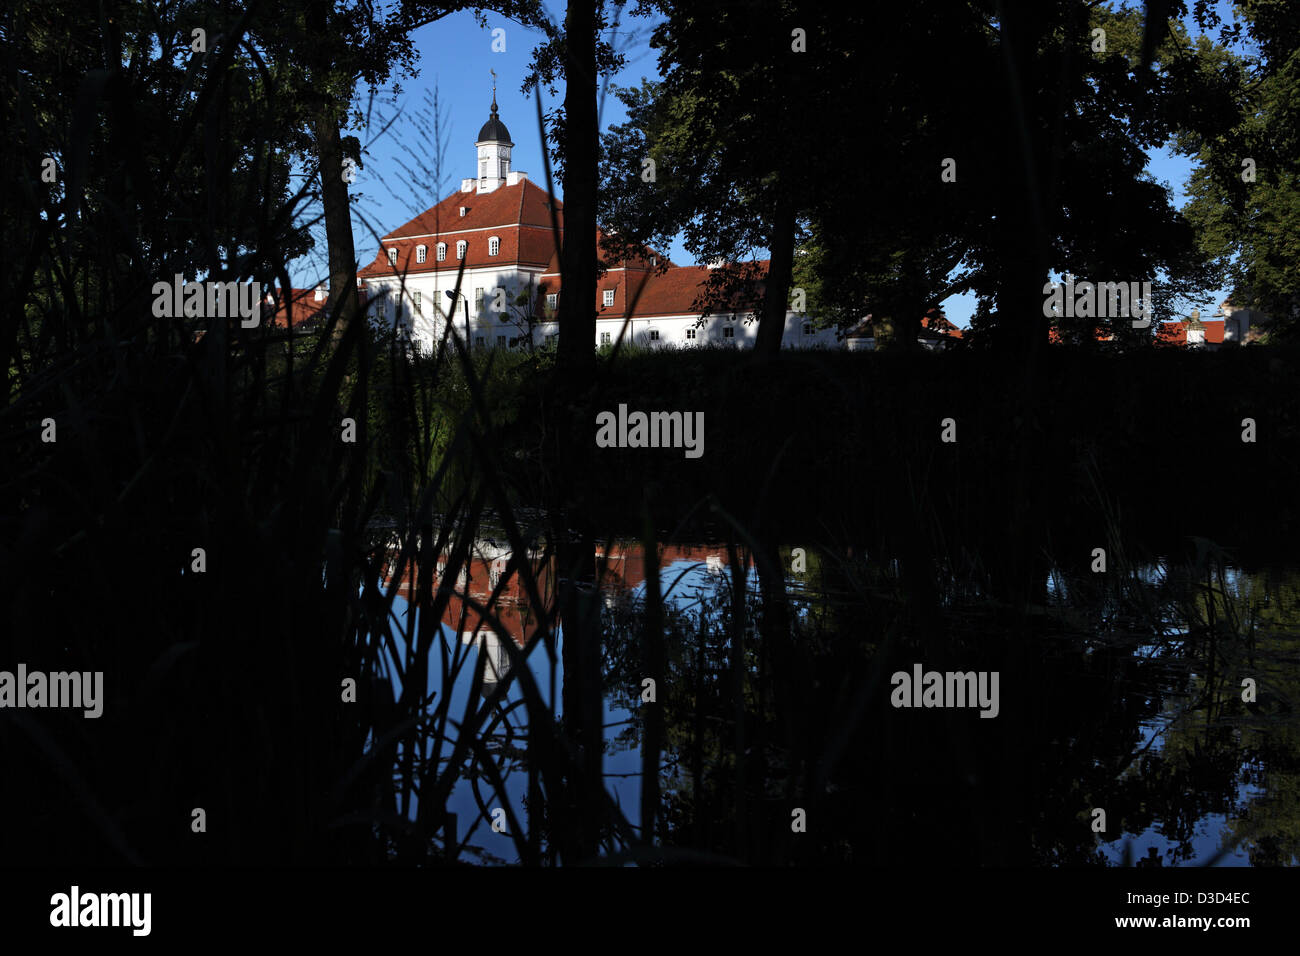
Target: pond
1140,717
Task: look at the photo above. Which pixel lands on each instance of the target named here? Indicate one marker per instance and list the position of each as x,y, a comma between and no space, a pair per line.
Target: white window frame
608,298
392,256
421,253
461,248
690,333
728,331
552,298
604,338
442,251
494,245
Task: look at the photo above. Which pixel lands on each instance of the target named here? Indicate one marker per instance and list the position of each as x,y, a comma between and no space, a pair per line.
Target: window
604,338
421,253
807,328
478,300
503,164
553,338
729,332
551,300
380,307
654,335
690,333
501,341
494,246
609,298
479,342
442,251
392,257
415,297
482,169
460,249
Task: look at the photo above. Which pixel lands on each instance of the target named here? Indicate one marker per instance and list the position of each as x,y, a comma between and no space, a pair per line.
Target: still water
1145,720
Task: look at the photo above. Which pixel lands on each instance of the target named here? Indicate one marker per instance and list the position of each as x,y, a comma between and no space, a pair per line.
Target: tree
323,49
728,132
1245,190
981,147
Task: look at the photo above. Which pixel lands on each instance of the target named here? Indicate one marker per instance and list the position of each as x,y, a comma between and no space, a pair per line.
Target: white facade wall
673,332
426,326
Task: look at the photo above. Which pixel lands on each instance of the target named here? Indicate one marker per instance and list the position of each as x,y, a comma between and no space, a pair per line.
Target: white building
499,226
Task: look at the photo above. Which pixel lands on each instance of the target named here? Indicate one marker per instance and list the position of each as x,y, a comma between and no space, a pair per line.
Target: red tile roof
305,308
1175,333
678,291
518,215
934,325
1171,333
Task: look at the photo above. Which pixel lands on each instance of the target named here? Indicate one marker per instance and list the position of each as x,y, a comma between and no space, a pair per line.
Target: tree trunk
579,604
338,223
334,191
771,327
581,150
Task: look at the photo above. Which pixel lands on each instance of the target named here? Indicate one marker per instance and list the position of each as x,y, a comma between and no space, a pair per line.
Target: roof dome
494,129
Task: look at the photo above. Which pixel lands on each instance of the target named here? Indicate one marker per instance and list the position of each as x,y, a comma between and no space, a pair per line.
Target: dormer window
460,249
463,210
320,293
392,257
609,298
442,251
421,253
494,246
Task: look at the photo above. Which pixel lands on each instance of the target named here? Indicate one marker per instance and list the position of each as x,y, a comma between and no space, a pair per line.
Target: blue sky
400,177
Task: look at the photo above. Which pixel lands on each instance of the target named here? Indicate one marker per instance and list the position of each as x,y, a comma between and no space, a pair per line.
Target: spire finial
494,91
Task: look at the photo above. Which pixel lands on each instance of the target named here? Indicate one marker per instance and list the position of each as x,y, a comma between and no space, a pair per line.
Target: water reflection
1126,703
